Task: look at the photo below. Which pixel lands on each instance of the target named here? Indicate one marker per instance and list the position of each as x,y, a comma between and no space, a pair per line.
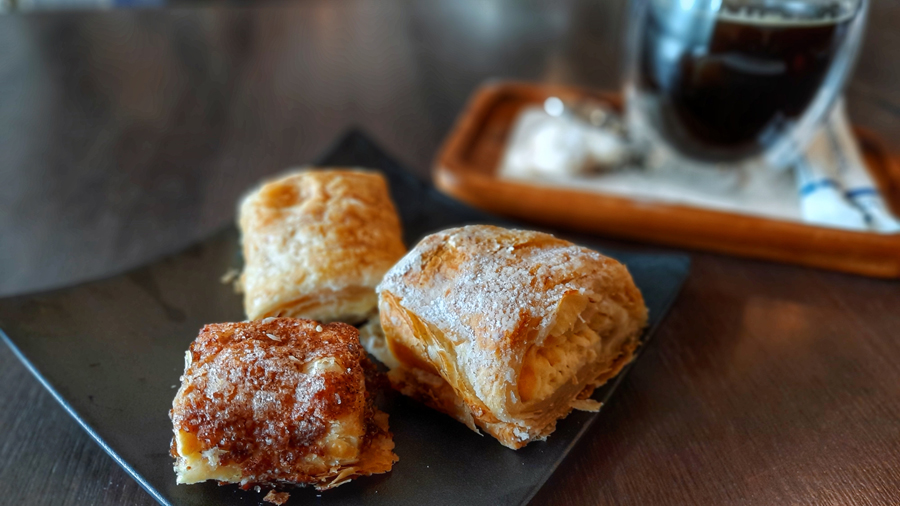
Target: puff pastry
279,401
506,330
316,243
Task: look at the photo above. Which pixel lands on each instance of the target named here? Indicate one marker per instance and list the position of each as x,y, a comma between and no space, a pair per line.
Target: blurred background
131,132
165,117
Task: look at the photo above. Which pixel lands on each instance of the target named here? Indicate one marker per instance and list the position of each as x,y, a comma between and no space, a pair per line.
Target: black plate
111,353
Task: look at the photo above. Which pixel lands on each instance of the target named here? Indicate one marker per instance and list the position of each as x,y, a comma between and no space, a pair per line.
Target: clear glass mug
736,83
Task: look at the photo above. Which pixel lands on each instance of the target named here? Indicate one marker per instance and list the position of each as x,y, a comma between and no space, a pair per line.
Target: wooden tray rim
864,253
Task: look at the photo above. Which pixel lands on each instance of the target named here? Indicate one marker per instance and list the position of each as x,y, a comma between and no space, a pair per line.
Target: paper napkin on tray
830,186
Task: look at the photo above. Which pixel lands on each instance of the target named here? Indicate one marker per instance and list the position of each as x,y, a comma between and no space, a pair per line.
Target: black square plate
111,352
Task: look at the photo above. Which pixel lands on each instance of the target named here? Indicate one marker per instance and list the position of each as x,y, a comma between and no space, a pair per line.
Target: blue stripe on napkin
815,185
859,192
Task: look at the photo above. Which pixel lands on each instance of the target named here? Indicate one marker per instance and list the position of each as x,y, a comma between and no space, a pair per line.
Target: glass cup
736,83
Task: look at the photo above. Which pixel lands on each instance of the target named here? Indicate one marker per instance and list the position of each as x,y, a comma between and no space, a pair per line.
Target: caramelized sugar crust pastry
316,243
506,330
279,401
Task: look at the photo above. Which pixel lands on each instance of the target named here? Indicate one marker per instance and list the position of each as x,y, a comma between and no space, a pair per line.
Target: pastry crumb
277,498
587,405
233,277
230,276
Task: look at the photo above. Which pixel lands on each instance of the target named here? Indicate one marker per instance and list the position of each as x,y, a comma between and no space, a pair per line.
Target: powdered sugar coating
494,292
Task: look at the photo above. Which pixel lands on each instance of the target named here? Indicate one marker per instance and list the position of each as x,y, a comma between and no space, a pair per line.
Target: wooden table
127,134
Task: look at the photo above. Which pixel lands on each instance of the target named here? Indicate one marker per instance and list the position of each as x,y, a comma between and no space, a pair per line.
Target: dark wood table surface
128,134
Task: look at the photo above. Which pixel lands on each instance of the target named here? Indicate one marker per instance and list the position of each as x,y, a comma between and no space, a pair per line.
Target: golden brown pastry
506,330
274,402
316,243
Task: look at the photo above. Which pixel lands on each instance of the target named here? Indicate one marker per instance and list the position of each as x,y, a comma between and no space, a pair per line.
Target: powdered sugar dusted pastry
279,401
507,330
316,243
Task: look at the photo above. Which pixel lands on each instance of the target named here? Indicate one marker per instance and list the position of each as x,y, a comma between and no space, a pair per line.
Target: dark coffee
726,87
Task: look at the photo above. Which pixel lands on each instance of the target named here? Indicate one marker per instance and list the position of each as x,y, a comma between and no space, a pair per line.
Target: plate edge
77,417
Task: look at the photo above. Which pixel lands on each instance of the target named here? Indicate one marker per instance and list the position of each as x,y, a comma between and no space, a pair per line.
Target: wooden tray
466,168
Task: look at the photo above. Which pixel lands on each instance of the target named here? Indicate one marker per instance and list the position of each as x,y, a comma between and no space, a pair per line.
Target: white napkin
834,185
829,187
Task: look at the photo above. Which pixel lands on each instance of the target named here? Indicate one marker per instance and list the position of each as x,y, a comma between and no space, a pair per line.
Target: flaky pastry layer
316,243
507,330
